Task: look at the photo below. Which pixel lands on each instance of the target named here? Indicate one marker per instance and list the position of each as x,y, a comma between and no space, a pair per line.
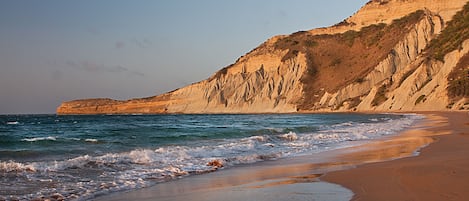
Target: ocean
81,157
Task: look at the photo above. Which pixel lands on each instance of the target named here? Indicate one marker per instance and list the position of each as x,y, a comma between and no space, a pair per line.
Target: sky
58,50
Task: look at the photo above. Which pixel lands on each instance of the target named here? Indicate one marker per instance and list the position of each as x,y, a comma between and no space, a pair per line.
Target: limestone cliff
392,55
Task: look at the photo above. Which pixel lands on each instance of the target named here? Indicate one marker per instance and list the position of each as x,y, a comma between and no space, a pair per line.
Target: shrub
310,43
354,102
459,88
360,80
458,80
349,37
312,71
413,17
374,39
452,37
420,99
380,96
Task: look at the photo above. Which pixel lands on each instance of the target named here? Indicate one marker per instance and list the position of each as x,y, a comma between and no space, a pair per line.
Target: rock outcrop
392,55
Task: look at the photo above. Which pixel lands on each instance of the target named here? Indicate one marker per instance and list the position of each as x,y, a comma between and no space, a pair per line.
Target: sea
82,157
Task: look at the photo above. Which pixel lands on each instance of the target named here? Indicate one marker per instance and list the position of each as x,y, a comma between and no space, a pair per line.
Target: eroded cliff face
258,83
377,60
404,57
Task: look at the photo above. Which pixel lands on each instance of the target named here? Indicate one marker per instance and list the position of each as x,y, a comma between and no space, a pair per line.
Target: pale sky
57,50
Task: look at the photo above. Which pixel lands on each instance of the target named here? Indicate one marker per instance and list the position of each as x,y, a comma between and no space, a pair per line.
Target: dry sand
440,172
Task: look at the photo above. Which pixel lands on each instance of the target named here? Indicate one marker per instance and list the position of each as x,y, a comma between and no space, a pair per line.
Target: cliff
392,55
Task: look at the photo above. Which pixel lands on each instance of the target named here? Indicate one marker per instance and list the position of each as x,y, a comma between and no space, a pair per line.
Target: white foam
74,139
142,167
291,136
91,140
258,138
39,139
12,123
12,166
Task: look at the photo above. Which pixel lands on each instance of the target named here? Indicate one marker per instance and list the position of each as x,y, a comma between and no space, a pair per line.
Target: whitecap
74,139
50,138
140,167
291,136
13,123
258,138
91,140
12,166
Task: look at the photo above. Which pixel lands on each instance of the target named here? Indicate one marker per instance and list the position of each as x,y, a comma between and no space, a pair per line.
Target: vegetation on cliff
380,67
459,79
380,96
452,37
337,60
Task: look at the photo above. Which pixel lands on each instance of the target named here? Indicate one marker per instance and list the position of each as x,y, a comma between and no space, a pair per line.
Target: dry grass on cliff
450,39
452,36
459,79
335,61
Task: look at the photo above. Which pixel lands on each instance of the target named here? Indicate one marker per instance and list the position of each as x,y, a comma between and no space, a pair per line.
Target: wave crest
49,138
12,166
291,136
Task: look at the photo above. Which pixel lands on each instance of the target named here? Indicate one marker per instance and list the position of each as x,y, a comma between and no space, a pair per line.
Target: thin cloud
145,43
56,75
93,31
281,13
92,67
136,73
119,44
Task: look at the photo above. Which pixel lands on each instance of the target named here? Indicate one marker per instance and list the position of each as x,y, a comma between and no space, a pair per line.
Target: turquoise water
80,157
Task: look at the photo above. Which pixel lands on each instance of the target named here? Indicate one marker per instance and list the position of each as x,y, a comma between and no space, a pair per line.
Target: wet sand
287,179
440,172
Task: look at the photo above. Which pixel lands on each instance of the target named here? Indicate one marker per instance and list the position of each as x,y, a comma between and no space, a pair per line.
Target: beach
440,172
384,169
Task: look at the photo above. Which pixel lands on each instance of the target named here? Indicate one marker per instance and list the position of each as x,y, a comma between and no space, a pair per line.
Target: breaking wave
49,138
94,174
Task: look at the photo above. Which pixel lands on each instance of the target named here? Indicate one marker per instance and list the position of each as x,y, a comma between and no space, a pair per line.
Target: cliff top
385,11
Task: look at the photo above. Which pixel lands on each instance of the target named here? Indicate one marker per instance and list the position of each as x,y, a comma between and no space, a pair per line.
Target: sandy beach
440,172
384,169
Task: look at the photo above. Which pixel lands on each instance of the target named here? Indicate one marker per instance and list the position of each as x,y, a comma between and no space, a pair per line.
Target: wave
62,139
142,167
12,166
250,149
291,136
91,140
49,138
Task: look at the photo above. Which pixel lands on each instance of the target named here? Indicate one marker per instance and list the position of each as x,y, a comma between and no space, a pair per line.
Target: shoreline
439,172
299,175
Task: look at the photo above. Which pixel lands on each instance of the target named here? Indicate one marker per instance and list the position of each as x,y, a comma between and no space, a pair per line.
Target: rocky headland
391,55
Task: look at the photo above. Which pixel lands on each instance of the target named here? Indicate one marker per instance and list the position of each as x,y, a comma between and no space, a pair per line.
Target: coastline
305,176
440,172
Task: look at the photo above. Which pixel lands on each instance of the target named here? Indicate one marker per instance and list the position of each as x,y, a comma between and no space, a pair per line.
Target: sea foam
50,138
93,174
